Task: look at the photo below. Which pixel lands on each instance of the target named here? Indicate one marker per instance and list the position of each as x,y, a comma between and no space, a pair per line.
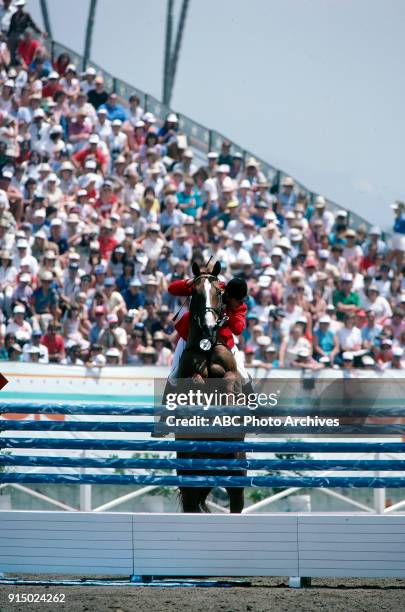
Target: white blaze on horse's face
210,319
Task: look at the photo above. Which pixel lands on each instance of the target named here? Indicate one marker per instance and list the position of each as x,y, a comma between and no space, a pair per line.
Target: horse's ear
196,269
216,269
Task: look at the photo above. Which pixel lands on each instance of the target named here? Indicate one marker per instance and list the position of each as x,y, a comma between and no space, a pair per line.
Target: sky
314,87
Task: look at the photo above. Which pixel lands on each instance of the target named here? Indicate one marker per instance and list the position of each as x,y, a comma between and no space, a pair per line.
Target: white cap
296,237
19,309
212,155
90,71
172,118
23,243
284,243
397,351
325,319
264,281
348,356
245,184
263,341
113,352
387,341
99,360
117,122
341,213
224,168
320,202
258,240
288,181
347,277
39,113
367,360
375,230
239,237
94,139
323,254
277,251
149,117
56,222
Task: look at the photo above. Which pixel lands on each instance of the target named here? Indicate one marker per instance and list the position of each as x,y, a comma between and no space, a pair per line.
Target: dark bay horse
205,358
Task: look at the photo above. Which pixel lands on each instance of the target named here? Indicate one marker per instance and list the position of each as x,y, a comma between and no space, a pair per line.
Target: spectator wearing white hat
352,252
304,361
236,256
168,132
384,354
69,83
325,340
374,241
321,212
378,304
102,125
18,326
93,150
87,83
286,196
117,141
397,361
293,343
35,346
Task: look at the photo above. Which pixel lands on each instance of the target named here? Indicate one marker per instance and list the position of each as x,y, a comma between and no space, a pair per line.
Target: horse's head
206,301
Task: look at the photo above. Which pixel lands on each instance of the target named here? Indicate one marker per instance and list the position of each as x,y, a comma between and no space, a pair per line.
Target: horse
207,357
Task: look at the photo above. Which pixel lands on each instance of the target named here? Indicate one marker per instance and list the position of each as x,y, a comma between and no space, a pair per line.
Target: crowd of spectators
102,206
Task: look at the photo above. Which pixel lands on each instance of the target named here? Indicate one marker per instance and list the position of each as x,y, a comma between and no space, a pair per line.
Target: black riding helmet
237,288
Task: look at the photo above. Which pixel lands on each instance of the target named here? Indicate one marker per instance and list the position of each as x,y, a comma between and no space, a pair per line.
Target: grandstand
108,196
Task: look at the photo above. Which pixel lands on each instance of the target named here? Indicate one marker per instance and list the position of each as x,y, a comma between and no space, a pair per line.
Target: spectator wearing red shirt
93,150
106,240
107,203
27,47
52,86
54,343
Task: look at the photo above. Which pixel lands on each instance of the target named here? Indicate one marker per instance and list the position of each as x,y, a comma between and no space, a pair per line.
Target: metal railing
200,138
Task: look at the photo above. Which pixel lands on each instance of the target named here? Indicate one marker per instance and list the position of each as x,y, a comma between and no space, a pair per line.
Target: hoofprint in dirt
264,594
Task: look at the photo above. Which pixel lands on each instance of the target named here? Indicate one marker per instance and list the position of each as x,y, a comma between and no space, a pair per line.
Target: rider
235,292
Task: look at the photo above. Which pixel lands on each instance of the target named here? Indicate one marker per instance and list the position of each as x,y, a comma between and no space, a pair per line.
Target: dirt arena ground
264,594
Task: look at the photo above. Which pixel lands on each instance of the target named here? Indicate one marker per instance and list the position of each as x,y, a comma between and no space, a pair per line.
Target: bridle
210,339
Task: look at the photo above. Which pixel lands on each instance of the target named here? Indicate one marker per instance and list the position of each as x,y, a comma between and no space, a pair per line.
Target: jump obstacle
177,545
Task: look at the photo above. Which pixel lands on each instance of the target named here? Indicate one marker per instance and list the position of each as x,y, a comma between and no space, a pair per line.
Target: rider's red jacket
235,325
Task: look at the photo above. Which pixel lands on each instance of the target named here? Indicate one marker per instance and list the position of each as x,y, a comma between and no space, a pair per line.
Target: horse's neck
194,333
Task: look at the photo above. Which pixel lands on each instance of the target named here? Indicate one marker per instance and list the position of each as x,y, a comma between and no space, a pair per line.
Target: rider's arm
237,319
180,288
